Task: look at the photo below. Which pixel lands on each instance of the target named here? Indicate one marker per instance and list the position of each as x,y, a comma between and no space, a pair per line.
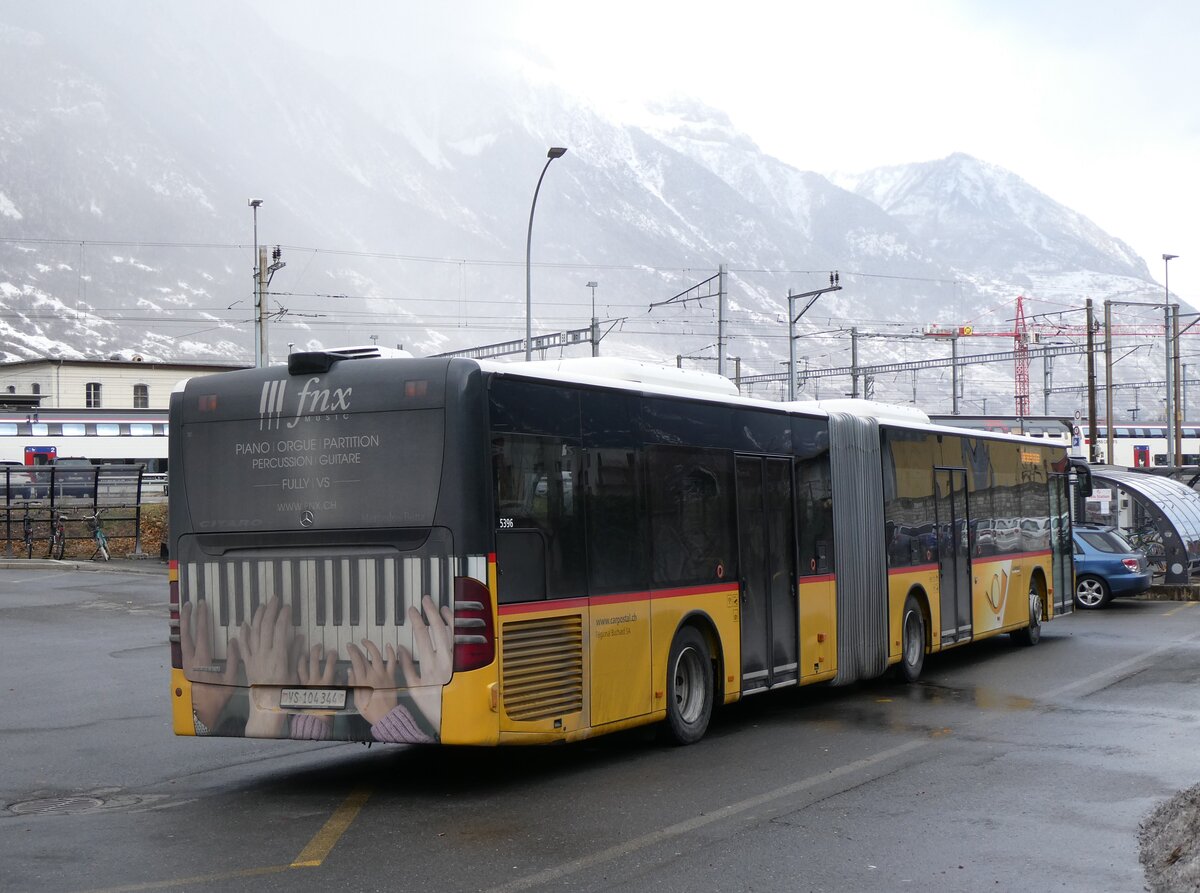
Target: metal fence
35,497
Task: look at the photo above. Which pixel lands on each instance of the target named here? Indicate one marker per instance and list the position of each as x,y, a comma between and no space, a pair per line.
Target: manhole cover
56,806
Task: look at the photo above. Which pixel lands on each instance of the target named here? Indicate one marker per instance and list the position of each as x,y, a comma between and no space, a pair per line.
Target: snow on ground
1170,844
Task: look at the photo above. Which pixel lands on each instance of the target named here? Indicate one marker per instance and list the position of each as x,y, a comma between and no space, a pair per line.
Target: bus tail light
173,585
474,631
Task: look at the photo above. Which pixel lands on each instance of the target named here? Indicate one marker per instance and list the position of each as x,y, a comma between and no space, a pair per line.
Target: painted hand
434,665
212,687
310,669
267,644
373,677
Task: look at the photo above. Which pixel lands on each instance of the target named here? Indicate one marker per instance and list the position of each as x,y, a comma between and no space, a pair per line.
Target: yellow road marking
310,857
198,879
1182,607
325,839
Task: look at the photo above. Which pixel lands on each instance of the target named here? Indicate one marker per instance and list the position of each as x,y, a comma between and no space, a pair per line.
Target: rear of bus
329,545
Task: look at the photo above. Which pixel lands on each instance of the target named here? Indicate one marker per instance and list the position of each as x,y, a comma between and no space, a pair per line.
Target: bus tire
689,687
913,641
1031,634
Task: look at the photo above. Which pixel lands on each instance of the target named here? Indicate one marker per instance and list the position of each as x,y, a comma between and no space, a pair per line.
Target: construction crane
1020,336
1023,334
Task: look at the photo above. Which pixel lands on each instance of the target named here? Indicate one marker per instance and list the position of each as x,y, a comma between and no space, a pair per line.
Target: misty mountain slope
401,196
984,219
822,213
648,195
825,225
619,196
95,150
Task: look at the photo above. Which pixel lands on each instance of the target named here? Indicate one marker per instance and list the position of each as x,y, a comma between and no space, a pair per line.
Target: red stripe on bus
913,569
819,578
561,604
1008,556
695,590
616,598
620,598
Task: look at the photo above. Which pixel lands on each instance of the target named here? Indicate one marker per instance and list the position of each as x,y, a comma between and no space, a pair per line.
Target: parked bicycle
98,535
58,536
27,527
1148,539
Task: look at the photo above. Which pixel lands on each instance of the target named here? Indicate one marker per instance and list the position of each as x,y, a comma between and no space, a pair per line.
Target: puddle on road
893,717
983,698
111,606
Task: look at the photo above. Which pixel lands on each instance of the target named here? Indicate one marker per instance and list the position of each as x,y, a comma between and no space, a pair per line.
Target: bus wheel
1032,634
689,687
912,641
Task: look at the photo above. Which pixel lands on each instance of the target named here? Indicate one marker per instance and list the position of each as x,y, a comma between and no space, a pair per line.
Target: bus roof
671,381
611,369
651,378
884,412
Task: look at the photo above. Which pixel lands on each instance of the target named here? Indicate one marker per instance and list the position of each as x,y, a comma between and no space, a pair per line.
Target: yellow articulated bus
410,550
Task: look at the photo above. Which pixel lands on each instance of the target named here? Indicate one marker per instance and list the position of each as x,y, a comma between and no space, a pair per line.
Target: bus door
1062,568
954,558
766,557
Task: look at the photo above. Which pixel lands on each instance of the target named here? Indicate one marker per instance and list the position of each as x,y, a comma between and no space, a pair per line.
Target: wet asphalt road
1005,768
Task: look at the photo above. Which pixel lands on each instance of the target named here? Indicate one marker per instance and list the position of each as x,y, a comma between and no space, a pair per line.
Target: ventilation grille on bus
542,667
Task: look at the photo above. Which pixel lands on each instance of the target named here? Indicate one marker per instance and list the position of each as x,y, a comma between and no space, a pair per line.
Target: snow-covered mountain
130,143
987,220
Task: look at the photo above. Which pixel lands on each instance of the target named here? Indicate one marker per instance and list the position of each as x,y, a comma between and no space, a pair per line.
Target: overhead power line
481,262
885,368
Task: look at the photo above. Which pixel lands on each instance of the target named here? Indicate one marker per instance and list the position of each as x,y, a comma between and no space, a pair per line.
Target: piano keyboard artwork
333,601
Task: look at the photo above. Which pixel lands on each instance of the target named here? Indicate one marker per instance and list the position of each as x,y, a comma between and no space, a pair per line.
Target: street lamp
1167,258
555,152
595,344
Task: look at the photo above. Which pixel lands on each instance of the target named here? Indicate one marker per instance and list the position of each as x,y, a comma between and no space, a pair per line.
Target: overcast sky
1091,102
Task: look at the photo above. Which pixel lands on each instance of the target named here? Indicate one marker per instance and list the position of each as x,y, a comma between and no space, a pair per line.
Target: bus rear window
371,469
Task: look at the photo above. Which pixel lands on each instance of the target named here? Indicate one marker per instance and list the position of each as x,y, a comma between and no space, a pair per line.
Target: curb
120,566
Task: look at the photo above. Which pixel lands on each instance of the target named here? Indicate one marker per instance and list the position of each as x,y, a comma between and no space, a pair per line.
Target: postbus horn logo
270,405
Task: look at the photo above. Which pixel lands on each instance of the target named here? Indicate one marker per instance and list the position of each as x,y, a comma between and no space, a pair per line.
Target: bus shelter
1139,502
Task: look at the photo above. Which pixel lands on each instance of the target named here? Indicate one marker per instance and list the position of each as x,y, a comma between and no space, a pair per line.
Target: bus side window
692,532
814,512
616,538
521,559
536,495
614,493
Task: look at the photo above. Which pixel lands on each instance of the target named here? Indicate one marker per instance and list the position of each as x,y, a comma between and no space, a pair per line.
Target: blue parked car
1106,566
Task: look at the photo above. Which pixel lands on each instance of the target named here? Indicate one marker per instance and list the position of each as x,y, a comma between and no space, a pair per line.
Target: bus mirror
1083,477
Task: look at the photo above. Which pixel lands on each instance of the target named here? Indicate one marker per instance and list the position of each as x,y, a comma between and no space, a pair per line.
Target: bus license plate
328,698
